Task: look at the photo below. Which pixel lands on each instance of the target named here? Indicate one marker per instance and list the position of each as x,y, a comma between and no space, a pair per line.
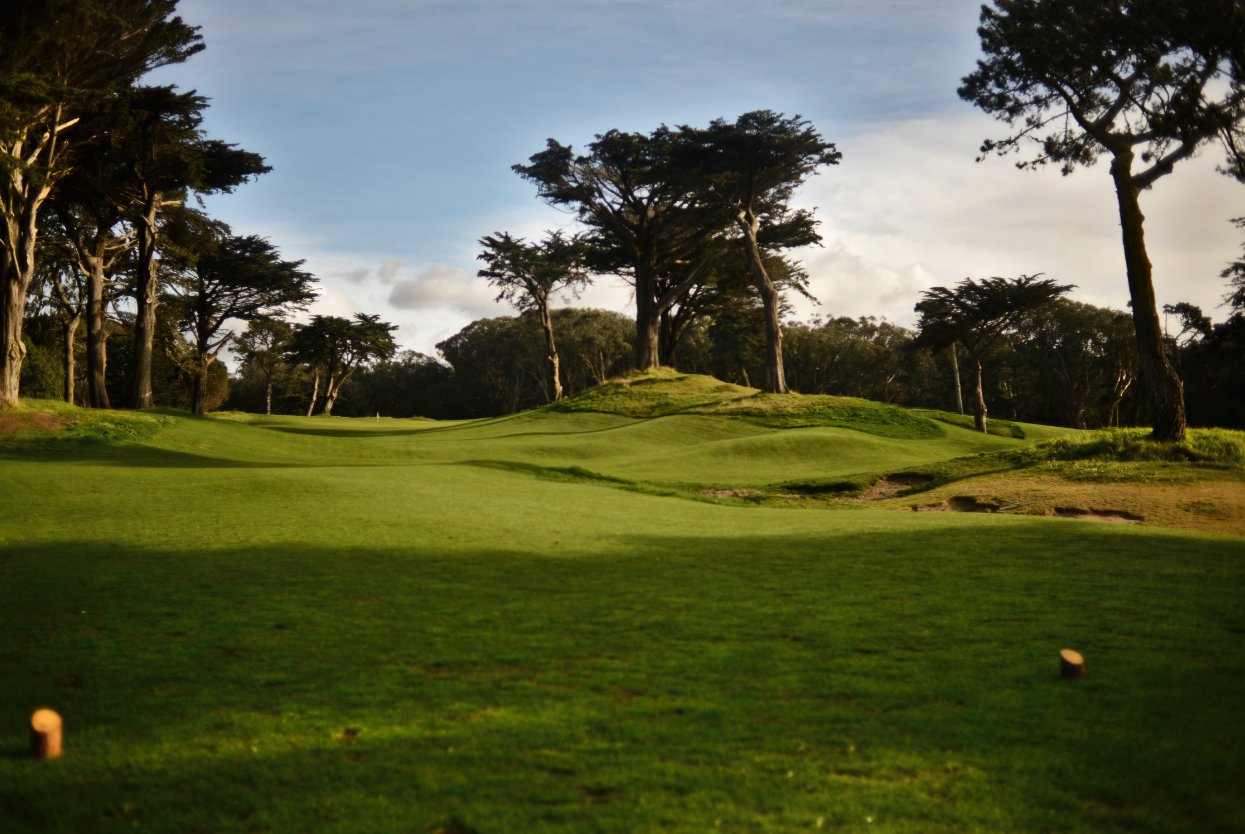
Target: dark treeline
1071,364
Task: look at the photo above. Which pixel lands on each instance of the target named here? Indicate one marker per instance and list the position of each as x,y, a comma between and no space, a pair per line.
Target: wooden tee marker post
45,734
1071,664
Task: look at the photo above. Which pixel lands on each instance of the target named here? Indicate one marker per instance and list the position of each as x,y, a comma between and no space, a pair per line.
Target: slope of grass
664,393
332,625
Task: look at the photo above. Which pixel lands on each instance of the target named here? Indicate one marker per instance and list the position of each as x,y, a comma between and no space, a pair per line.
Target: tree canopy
1141,81
529,274
751,167
975,314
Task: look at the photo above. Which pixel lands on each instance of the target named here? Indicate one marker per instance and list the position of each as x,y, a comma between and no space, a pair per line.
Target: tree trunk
71,332
315,392
647,323
198,402
13,286
980,395
555,371
96,336
955,372
330,395
1166,389
268,401
775,379
147,295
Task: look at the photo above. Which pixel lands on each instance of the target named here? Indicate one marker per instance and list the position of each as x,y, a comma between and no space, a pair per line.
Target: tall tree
57,58
976,315
341,346
157,133
263,346
645,214
752,167
528,275
1149,81
231,278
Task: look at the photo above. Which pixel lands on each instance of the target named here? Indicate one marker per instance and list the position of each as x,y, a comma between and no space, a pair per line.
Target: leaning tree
751,167
528,275
976,315
1146,82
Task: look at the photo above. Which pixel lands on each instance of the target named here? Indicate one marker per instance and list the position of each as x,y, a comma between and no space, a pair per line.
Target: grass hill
524,624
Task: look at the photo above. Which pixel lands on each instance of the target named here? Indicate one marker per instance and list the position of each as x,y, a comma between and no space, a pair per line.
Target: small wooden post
1072,664
45,734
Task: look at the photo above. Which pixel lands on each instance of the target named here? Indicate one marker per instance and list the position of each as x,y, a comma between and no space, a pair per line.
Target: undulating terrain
668,605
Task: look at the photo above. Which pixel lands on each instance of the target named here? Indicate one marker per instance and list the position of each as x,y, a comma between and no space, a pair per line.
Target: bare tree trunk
268,401
14,283
955,372
981,399
555,370
647,323
22,194
71,332
1166,389
330,395
96,336
198,400
775,379
315,392
147,295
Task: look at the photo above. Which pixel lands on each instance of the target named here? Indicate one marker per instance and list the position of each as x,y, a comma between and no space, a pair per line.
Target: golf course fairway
586,620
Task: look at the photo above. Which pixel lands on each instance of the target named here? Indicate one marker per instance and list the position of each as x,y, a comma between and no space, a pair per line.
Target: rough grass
664,393
291,624
1003,428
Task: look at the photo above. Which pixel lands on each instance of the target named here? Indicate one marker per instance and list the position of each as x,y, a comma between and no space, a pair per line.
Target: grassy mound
1002,428
665,393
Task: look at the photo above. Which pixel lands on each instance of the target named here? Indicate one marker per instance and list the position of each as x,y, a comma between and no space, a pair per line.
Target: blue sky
391,127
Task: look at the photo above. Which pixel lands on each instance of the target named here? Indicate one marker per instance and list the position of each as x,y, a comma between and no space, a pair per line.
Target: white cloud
388,269
444,286
908,208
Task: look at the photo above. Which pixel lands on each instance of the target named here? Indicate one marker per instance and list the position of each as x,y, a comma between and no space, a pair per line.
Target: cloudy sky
391,126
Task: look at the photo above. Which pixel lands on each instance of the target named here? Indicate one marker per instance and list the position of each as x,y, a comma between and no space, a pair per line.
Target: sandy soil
1212,506
42,421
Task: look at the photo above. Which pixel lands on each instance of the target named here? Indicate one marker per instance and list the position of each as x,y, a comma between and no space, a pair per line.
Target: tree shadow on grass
673,662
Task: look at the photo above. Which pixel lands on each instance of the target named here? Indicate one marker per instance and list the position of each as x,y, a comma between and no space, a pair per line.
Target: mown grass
335,625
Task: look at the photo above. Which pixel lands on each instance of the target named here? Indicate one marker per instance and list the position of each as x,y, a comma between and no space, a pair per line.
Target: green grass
283,624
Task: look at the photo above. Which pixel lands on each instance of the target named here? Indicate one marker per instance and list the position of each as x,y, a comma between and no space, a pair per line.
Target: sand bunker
42,421
729,493
1113,516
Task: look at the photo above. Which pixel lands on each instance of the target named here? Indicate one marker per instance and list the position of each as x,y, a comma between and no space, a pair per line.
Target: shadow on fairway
635,683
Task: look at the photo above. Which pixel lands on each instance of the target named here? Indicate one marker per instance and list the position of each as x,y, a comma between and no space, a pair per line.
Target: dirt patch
889,487
729,493
1215,505
1113,516
959,504
42,421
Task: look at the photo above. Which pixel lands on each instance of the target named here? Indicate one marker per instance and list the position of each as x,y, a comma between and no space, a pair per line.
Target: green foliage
43,372
1133,445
